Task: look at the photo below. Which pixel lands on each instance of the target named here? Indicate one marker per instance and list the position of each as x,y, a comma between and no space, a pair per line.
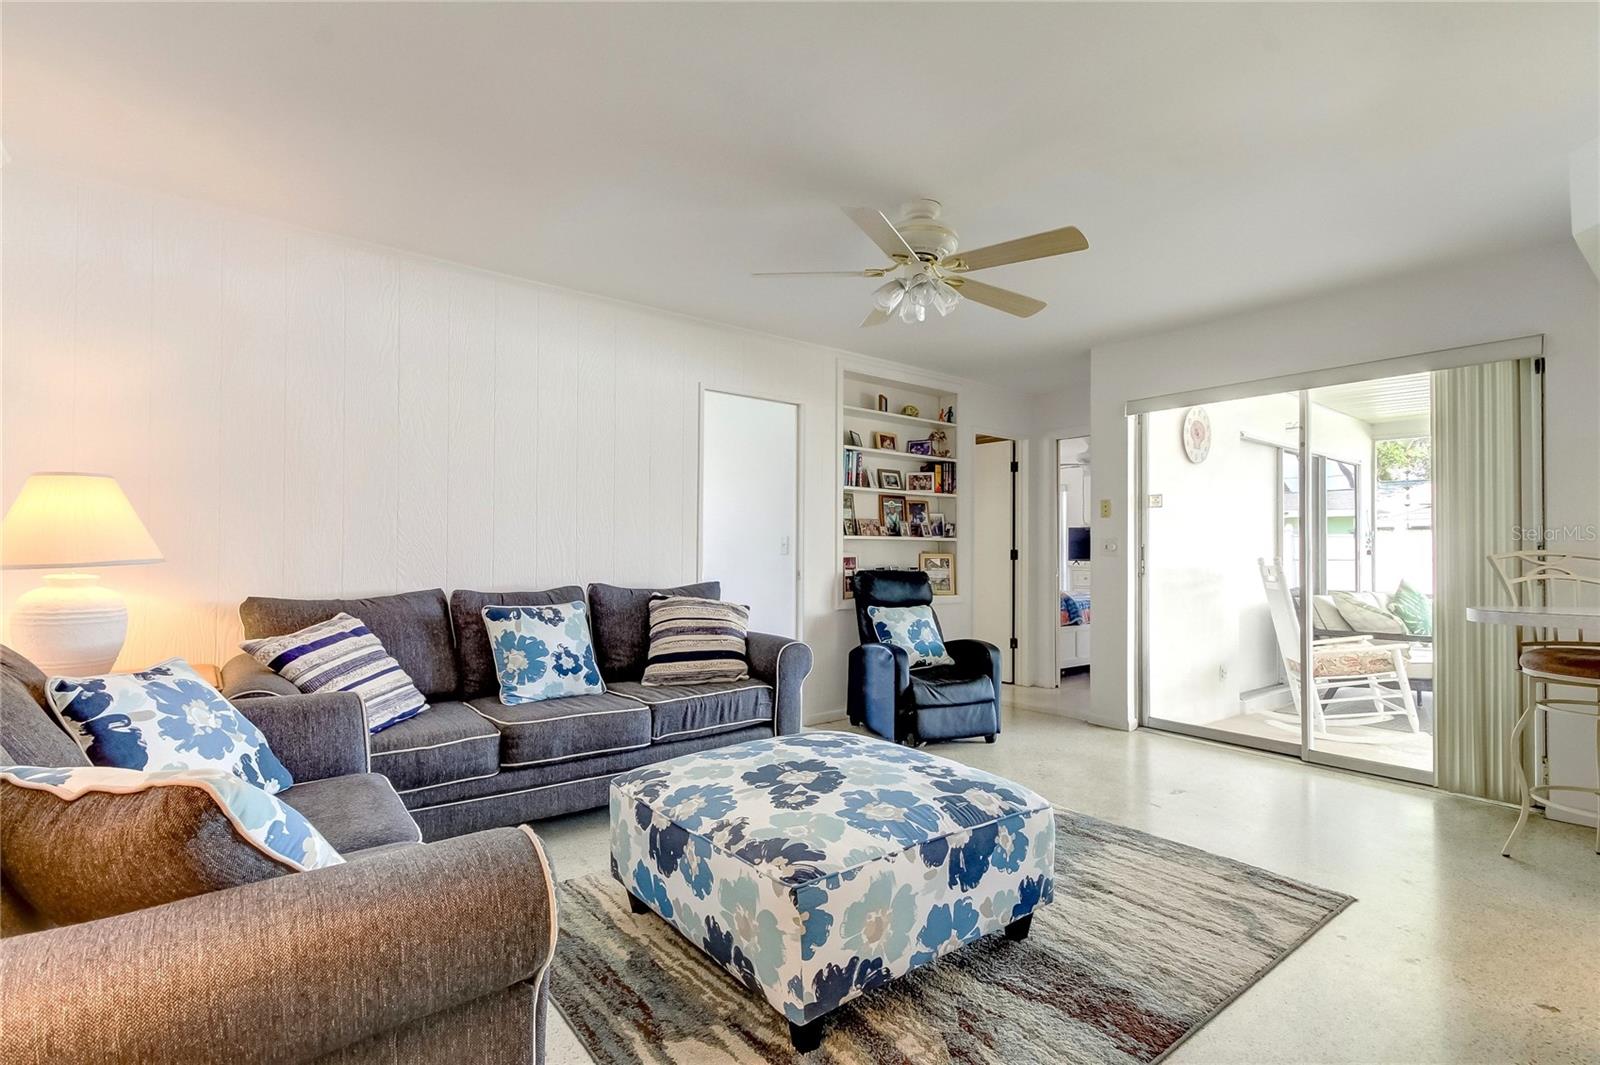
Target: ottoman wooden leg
1017,930
636,904
805,1037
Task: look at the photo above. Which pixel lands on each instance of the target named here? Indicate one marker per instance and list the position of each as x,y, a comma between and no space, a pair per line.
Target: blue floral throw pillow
911,628
542,652
264,821
162,719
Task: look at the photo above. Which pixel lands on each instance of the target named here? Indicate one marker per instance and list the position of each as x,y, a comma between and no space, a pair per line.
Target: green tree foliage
1405,460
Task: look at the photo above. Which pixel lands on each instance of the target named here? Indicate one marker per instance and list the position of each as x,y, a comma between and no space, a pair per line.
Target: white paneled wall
297,414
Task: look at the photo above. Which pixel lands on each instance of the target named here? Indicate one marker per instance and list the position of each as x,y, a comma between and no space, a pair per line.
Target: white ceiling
1387,399
1216,156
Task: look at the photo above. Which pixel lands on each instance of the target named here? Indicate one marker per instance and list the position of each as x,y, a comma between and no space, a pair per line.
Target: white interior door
992,531
749,488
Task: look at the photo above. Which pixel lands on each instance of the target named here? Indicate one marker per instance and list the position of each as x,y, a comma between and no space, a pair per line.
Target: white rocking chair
1376,670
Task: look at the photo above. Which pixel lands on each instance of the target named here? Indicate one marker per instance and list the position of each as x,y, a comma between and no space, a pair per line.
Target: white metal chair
1546,657
1377,672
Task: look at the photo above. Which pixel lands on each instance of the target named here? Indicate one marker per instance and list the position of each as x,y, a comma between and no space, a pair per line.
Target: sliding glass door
1262,525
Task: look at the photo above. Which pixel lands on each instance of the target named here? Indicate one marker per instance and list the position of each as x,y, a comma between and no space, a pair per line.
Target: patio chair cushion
1367,613
1349,660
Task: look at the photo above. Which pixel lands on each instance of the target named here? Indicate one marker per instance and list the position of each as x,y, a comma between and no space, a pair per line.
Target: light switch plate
1155,501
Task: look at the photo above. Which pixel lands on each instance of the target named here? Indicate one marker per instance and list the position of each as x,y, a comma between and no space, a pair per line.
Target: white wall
1547,290
749,520
298,414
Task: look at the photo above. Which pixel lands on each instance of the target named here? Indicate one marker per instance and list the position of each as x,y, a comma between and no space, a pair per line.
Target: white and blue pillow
342,655
264,821
914,630
542,652
161,719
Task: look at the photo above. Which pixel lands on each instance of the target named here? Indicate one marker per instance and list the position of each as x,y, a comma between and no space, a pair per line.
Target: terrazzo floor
1451,954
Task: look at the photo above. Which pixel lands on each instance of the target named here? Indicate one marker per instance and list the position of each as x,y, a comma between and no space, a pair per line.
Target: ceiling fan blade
1001,299
1039,246
876,317
883,233
876,271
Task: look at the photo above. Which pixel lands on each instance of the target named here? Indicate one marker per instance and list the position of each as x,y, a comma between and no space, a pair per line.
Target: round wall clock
1197,434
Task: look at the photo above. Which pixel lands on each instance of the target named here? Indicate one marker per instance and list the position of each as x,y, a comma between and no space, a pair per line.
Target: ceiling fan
932,273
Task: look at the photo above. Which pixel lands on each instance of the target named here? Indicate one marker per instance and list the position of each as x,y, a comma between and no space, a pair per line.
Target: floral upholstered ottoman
819,866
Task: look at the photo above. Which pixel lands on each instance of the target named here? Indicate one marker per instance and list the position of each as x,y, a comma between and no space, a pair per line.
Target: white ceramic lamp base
70,626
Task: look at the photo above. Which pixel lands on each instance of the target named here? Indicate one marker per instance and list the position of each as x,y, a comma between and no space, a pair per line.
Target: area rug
1146,941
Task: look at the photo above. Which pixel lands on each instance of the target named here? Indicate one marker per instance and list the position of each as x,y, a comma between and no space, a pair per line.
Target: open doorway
995,554
749,505
1073,492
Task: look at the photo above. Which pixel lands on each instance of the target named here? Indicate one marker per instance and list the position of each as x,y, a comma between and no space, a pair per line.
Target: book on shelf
944,476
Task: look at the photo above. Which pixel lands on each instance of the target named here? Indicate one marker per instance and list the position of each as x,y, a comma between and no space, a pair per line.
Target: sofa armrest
288,969
245,678
784,664
315,736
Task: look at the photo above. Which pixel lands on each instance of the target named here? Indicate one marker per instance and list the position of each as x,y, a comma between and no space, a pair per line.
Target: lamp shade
74,520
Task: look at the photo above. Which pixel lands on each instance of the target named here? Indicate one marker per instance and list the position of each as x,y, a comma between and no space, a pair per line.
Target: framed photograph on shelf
868,527
941,570
883,402
892,513
886,441
917,512
849,576
890,480
919,482
850,526
936,525
919,447
852,438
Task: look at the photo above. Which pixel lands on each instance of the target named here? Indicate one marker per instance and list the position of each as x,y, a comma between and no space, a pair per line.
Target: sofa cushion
542,652
354,812
90,842
164,717
414,627
684,710
449,743
472,640
343,655
620,618
558,729
696,641
947,686
28,731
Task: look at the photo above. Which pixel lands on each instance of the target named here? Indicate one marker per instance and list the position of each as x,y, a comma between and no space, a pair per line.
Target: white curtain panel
1477,507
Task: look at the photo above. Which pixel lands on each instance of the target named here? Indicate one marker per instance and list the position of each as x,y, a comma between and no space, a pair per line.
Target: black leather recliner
913,706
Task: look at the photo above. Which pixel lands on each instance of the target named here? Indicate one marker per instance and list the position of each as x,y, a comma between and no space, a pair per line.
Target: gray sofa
470,763
407,954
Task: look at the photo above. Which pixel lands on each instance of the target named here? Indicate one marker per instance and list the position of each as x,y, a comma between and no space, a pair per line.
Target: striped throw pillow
342,655
696,641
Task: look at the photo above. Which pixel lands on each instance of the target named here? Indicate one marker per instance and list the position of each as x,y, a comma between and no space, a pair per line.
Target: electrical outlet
1105,508
1155,501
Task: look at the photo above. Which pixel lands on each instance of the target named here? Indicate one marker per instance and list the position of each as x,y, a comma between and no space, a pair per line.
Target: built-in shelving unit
865,457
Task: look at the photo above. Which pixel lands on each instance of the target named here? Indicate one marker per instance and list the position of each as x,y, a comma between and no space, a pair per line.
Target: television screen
1078,543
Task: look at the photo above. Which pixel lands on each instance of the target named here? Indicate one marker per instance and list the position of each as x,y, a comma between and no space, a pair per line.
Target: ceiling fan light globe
887,297
945,298
912,312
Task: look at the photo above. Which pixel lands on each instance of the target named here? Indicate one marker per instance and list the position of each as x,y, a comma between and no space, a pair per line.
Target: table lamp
72,625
